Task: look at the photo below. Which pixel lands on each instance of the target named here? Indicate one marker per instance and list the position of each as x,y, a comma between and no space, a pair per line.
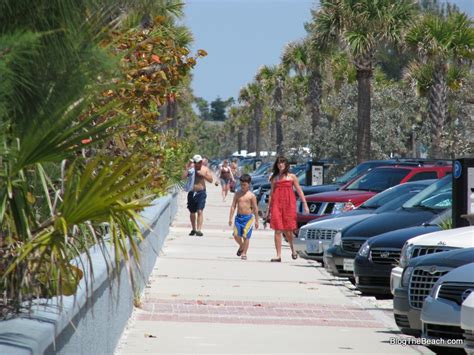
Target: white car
467,323
441,312
314,238
430,243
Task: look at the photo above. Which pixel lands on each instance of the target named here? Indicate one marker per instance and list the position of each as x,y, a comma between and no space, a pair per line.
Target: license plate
348,265
312,248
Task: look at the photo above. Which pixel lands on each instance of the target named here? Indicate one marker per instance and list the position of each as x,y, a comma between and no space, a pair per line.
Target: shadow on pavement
389,331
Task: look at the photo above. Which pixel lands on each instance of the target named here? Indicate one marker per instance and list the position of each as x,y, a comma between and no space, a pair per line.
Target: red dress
283,206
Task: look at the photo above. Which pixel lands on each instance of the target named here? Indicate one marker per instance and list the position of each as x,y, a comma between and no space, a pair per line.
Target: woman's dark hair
276,171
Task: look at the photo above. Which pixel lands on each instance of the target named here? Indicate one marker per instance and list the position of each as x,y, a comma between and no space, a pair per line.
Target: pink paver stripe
151,299
303,314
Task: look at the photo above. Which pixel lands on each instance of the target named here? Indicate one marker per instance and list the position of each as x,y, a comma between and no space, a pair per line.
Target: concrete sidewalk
203,299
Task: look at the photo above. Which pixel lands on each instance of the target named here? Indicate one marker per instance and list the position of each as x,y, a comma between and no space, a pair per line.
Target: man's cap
197,158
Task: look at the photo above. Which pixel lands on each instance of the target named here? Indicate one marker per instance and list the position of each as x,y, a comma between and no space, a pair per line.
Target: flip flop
239,252
244,257
276,260
294,256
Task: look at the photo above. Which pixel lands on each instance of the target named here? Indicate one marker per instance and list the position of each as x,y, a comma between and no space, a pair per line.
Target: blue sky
242,35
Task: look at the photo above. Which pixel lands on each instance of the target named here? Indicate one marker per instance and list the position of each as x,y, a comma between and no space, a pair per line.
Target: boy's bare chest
244,199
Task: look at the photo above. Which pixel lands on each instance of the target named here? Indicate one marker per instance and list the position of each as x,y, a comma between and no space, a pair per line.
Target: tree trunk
174,115
363,114
258,138
250,139
314,95
171,113
239,140
278,102
313,104
437,110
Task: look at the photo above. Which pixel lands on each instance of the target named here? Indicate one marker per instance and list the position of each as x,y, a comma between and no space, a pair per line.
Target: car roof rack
425,161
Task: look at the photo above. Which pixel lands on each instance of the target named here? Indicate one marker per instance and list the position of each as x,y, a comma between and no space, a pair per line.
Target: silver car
314,238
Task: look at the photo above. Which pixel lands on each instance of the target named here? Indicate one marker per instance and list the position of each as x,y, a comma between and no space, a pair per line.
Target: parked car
365,186
248,165
435,242
467,323
421,208
418,279
363,168
441,312
377,257
263,169
315,237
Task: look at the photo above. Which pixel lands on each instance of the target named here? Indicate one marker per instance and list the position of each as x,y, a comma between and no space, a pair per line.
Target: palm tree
445,50
236,117
273,79
256,94
252,95
307,59
361,25
244,98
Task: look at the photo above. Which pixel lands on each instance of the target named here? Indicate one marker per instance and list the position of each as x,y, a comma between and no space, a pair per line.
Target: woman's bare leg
278,243
289,238
225,191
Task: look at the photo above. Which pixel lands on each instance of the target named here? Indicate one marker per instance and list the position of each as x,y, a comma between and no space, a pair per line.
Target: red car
364,187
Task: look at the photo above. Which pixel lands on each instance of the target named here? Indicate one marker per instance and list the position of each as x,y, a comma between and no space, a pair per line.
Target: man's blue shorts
196,200
243,225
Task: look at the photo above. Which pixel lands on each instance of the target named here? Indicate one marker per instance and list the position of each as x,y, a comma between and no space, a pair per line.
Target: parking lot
203,299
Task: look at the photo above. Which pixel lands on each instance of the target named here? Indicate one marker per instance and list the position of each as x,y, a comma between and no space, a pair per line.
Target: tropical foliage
445,48
85,137
371,79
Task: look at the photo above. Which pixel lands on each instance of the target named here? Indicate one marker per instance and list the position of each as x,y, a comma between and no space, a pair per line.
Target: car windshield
357,170
296,169
301,177
262,169
395,196
378,179
352,174
437,196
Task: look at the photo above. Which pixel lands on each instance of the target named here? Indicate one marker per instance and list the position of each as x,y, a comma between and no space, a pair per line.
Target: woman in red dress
282,204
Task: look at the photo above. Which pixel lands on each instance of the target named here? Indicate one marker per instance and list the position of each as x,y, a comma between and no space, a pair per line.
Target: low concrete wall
92,321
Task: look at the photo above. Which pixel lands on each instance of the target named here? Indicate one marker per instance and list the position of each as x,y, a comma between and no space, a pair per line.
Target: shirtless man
197,196
247,215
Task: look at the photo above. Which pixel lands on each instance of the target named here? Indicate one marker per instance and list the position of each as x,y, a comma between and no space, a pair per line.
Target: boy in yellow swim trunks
247,215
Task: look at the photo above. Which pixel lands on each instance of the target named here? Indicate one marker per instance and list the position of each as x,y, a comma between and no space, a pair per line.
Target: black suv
378,255
423,207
